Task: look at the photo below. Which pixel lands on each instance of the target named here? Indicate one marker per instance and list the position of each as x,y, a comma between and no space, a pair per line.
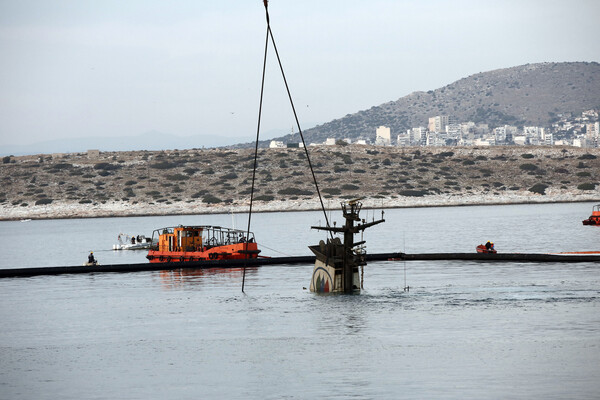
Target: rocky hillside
529,94
217,180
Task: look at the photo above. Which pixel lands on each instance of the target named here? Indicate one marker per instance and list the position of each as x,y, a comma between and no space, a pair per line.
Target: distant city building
438,123
93,154
383,136
520,140
481,142
534,135
403,139
276,144
547,137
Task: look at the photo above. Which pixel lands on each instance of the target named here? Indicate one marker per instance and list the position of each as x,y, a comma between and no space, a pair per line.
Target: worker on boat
91,259
489,245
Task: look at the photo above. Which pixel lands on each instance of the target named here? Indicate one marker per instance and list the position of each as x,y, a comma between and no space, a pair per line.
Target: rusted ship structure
201,243
337,263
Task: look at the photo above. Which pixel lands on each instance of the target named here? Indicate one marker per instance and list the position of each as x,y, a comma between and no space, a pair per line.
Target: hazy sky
76,68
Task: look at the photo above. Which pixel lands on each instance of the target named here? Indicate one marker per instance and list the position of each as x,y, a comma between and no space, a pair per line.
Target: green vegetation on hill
213,177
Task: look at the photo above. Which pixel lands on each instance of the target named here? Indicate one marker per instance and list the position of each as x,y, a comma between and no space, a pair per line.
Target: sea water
464,330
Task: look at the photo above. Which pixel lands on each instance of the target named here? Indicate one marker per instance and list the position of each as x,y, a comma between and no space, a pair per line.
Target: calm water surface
464,330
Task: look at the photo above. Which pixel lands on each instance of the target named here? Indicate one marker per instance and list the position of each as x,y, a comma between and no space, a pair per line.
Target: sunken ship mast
336,264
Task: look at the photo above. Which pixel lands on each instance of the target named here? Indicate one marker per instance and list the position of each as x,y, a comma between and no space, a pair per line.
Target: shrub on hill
210,199
295,191
107,166
332,191
164,165
349,186
587,186
413,193
43,201
528,167
265,197
539,188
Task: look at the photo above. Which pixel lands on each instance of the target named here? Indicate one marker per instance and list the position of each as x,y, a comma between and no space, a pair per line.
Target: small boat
200,243
594,219
126,242
483,249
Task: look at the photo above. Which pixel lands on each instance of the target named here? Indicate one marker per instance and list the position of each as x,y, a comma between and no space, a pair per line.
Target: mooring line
270,34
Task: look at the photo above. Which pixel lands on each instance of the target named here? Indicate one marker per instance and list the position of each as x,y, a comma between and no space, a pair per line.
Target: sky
104,68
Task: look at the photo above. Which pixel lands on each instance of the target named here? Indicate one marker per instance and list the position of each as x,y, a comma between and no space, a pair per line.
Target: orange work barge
198,243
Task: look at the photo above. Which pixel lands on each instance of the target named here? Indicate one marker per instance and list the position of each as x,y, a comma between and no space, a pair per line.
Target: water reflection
186,277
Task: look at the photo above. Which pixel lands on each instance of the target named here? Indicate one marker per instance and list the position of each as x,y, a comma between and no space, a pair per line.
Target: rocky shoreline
69,210
187,182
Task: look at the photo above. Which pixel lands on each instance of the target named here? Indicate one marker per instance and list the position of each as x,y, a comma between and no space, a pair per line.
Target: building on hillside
453,134
403,139
519,140
330,141
438,123
534,134
416,134
276,144
482,142
93,154
437,139
547,138
500,133
383,136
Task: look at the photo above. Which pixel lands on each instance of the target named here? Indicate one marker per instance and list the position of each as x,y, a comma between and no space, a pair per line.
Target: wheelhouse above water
197,238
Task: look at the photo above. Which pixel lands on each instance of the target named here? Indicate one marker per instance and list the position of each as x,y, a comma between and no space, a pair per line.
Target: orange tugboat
198,243
594,219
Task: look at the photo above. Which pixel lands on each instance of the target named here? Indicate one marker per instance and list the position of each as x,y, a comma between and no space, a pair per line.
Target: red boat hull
238,251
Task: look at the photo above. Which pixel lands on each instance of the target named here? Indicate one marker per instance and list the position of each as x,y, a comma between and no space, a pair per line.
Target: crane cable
270,34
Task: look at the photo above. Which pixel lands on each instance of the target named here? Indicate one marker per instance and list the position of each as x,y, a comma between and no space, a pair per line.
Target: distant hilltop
531,94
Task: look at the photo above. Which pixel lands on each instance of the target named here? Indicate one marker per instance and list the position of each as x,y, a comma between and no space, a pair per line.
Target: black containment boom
256,262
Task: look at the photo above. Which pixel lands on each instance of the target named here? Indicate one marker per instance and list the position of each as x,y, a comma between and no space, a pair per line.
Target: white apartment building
403,139
276,144
383,136
438,123
415,134
534,134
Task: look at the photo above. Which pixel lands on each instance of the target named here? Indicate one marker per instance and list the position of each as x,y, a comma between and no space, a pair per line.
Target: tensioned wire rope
270,35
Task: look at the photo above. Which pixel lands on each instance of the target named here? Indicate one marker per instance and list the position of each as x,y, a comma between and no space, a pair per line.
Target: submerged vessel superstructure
337,263
199,243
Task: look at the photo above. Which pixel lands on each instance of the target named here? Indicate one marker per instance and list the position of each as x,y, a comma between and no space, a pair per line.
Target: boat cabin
198,238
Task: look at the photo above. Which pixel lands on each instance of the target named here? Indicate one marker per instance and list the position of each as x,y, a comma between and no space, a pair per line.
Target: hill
218,180
529,94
